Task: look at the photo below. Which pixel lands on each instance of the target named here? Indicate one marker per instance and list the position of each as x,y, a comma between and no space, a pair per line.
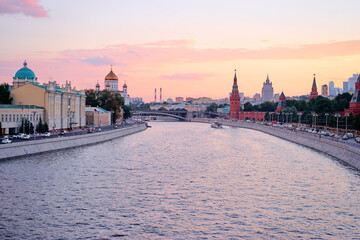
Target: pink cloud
150,54
27,7
186,76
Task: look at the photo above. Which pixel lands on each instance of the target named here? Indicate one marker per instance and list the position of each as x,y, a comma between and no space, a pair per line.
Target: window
9,117
2,117
6,118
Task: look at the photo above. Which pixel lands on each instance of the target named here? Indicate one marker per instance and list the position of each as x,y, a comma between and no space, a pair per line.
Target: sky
188,48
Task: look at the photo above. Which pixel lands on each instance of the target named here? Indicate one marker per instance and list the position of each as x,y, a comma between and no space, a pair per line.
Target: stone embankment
345,153
54,144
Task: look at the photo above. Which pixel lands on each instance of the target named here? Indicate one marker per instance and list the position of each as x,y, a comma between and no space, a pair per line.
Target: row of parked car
22,136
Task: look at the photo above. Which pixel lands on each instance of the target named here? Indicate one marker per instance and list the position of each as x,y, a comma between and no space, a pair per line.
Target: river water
181,180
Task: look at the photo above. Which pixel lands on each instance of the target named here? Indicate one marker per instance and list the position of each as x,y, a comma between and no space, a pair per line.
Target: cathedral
111,84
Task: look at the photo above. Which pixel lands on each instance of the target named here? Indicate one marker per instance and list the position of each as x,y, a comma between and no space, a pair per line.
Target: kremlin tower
282,102
235,100
314,92
355,100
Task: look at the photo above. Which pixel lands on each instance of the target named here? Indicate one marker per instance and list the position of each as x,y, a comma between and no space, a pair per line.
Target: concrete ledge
46,145
345,153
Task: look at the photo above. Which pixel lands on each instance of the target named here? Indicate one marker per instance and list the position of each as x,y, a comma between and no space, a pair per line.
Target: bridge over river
182,115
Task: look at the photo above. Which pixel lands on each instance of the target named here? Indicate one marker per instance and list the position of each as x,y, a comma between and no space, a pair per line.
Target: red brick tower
314,92
282,102
355,100
235,100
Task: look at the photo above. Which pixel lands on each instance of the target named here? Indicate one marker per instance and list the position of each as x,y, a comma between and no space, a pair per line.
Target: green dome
25,72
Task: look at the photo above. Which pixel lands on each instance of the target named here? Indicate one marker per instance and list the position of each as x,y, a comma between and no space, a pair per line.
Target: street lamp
291,117
315,115
337,124
33,112
278,115
299,117
326,117
346,116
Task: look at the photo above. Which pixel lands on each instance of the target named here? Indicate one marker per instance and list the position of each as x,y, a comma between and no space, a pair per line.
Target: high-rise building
257,97
276,97
267,91
331,88
355,100
235,100
345,86
352,81
324,90
314,92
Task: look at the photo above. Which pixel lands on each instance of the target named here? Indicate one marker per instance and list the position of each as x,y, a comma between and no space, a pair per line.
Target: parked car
99,130
62,132
357,139
90,130
47,134
25,137
6,140
13,137
345,137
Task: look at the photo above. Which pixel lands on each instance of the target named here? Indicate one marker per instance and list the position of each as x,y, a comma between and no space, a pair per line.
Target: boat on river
216,125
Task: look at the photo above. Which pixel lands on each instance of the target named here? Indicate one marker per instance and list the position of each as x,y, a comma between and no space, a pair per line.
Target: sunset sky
187,47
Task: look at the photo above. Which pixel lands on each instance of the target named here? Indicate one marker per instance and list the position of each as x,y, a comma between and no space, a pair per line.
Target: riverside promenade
343,152
54,144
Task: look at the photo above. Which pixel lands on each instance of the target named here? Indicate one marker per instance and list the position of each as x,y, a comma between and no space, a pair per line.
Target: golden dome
111,76
97,85
124,86
108,85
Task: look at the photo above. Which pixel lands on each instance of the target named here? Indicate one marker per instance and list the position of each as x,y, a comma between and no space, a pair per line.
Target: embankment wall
53,144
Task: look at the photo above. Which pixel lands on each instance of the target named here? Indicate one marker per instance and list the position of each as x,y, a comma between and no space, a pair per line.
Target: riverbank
345,153
47,145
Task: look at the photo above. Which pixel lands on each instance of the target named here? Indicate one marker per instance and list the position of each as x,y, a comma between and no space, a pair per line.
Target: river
180,180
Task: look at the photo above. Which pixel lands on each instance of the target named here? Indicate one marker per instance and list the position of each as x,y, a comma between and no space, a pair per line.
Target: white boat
216,125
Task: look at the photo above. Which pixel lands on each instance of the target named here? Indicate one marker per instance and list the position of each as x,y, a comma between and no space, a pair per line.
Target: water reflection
180,180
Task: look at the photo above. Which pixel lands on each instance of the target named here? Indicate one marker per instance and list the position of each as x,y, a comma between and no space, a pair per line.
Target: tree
356,123
5,94
212,108
111,102
126,112
248,107
42,127
323,105
29,127
92,98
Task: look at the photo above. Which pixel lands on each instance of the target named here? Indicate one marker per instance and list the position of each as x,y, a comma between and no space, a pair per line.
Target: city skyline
188,49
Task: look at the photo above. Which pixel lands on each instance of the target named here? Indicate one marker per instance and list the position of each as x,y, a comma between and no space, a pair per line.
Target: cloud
186,76
169,43
155,54
27,7
98,60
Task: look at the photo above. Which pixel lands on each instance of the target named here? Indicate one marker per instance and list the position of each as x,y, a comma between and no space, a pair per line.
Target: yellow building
11,117
64,106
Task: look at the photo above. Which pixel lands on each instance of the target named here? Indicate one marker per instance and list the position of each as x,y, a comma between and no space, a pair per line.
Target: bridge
178,114
182,115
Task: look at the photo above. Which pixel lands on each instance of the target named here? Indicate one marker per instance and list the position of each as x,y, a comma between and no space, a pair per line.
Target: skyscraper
235,100
331,88
324,90
345,86
267,91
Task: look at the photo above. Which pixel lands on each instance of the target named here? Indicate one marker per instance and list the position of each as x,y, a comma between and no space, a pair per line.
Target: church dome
108,85
97,85
111,76
25,72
